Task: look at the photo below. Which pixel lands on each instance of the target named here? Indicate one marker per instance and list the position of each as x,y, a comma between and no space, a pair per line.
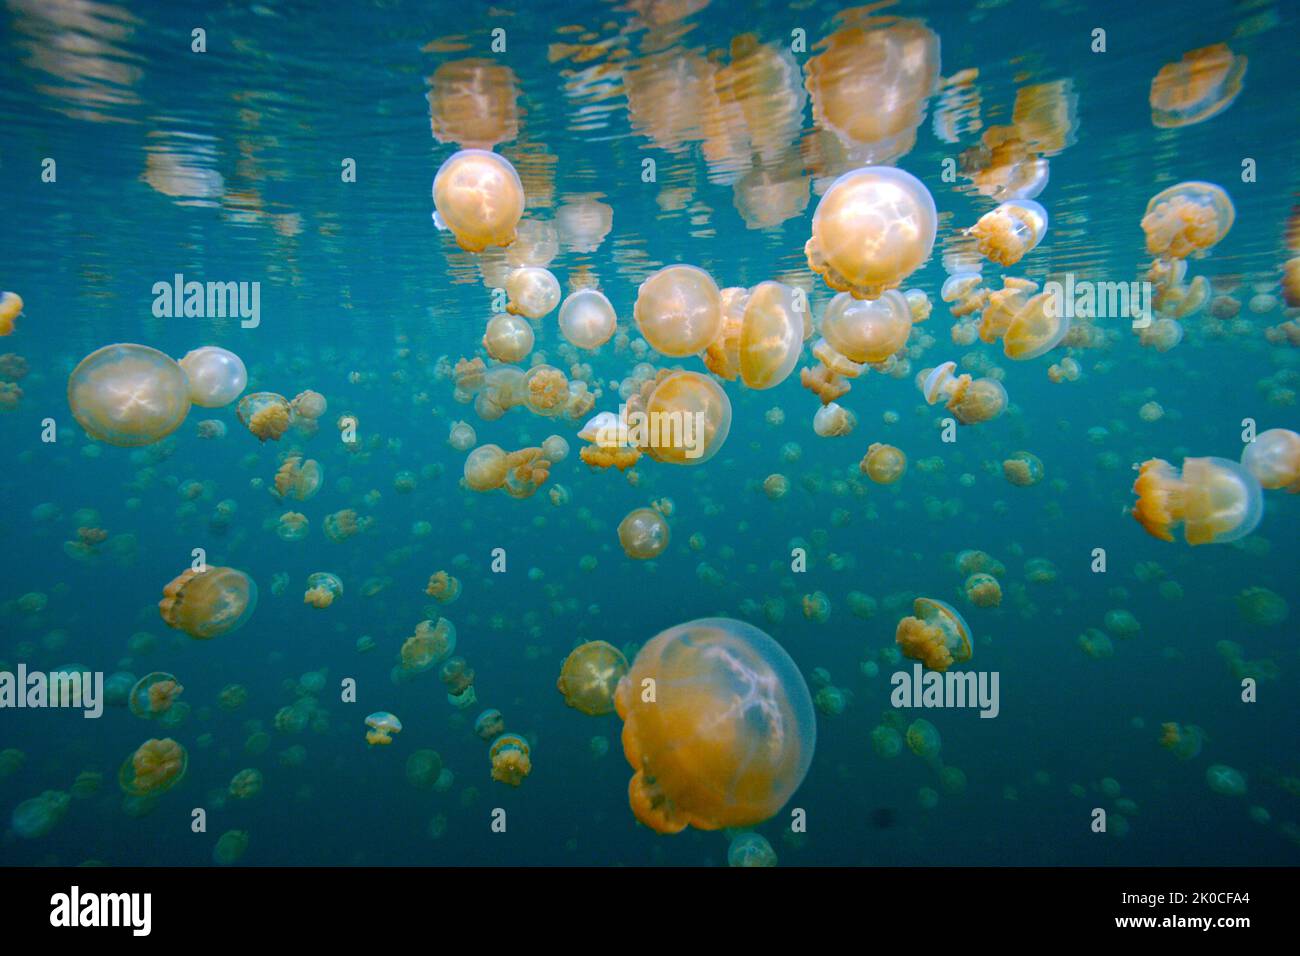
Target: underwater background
225,166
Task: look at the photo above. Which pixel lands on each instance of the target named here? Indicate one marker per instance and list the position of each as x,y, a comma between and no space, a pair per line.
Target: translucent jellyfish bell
679,310
486,468
643,534
587,319
590,676
1200,85
1186,218
155,767
1214,499
533,292
265,414
382,726
206,604
1011,231
874,227
937,635
1036,328
1274,459
867,331
129,395
508,338
728,735
480,198
688,416
883,464
771,335
217,376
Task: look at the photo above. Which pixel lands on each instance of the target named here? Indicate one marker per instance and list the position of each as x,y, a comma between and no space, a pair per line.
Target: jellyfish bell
486,468
728,734
771,335
1011,231
1201,85
129,395
478,196
883,464
217,376
1037,328
208,603
587,319
873,228
590,675
511,759
533,290
155,767
11,307
1274,459
508,338
679,310
688,416
937,635
1189,217
267,415
382,727
867,331
1215,500
643,534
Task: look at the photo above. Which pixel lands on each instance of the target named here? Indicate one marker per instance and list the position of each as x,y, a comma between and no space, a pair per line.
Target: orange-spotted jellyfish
1200,85
478,196
266,414
883,464
587,319
1213,499
155,767
1189,217
1274,459
867,332
688,416
590,676
511,759
208,603
323,587
643,534
679,310
217,376
937,635
154,694
382,726
874,227
718,726
129,395
1007,234
533,292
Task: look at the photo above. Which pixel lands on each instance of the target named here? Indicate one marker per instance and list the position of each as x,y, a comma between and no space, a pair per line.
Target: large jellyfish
1186,218
679,310
217,376
1214,499
688,416
208,603
590,675
480,198
587,319
869,331
718,727
1274,458
129,395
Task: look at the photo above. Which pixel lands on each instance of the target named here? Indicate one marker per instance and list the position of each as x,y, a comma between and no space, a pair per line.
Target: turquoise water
231,165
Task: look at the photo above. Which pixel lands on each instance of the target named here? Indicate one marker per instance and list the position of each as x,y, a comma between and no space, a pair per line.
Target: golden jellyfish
1183,740
246,784
1186,218
461,436
472,103
937,635
1011,231
292,526
153,695
590,675
11,306
679,310
511,759
918,303
1023,468
430,645
155,767
686,419
1214,499
309,405
1274,459
643,534
442,587
834,421
874,227
867,331
1036,328
537,245
382,727
771,334
322,588
508,338
129,395
486,468
480,198
587,319
298,479
583,223
208,603
217,376
265,414
883,464
533,292
983,590
1202,84
489,724
923,739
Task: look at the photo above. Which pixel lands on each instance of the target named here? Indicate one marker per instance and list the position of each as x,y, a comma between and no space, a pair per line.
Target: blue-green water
228,165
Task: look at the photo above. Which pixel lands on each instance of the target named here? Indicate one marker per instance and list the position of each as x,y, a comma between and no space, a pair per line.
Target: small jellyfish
1036,328
1183,740
587,319
486,468
129,395
867,331
750,849
154,768
154,694
208,603
771,335
1274,459
679,310
923,739
886,741
265,414
508,338
423,769
382,726
1186,218
489,724
643,534
718,726
292,526
443,587
511,759
217,376
461,436
1224,780
11,306
1011,231
246,784
533,291
1261,607
1202,84
322,588
478,196
1023,469
983,590
833,421
230,847
1214,499
937,636
687,418
883,464
590,676
872,229
38,816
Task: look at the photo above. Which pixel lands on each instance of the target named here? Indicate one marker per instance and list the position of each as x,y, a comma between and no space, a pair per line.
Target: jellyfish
383,726
923,739
480,198
679,310
230,847
1214,499
771,335
1037,328
208,603
511,760
833,421
129,395
643,534
216,375
1274,459
1202,84
443,587
265,414
1186,218
246,784
533,292
776,487
292,526
750,849
322,588
486,468
309,405
423,768
590,676
1224,780
816,607
886,741
1261,607
153,694
870,331
154,768
1184,741
38,816
299,479
587,319
937,636
1122,623
883,464
1096,644
461,436
508,338
983,590
718,727
872,229
1023,469
1011,231
489,724
11,306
